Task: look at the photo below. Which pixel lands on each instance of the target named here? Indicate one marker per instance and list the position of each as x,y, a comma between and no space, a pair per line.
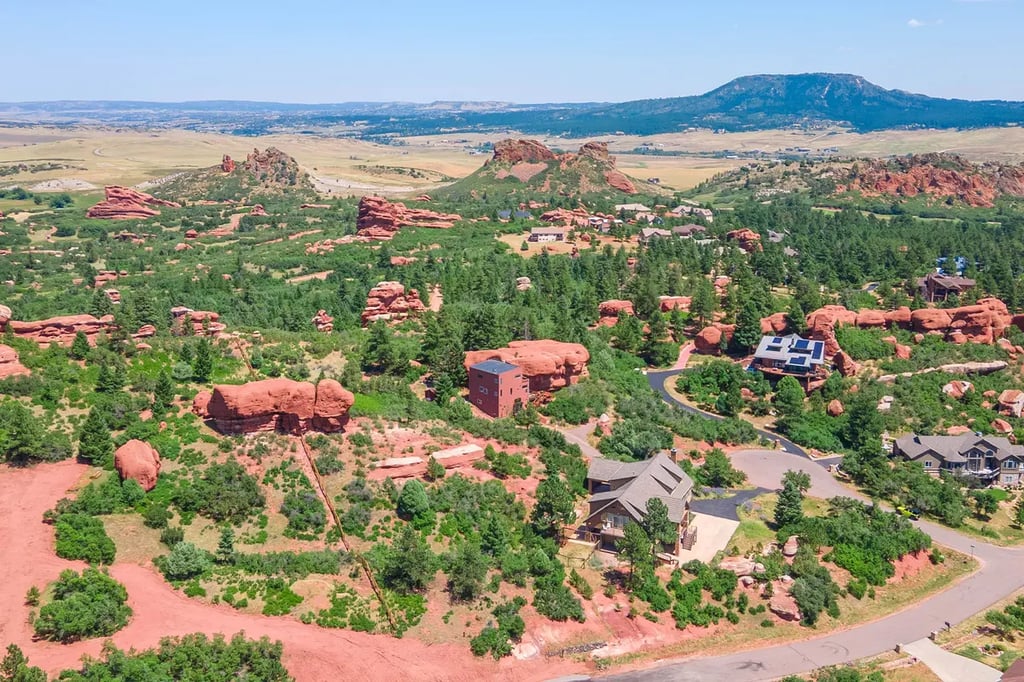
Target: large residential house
790,356
688,230
990,459
938,287
686,209
498,388
547,234
619,492
649,234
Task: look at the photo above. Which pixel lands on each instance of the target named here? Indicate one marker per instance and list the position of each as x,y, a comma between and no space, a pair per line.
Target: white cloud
918,23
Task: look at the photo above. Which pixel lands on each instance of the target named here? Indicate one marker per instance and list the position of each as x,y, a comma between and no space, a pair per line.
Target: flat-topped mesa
124,203
521,151
547,364
389,301
379,219
276,405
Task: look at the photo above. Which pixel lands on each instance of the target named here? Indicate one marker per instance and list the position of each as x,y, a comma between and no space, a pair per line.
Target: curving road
998,577
657,381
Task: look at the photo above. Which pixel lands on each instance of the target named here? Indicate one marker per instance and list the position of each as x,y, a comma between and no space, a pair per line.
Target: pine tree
80,346
789,508
660,530
635,547
163,392
748,327
94,443
202,362
226,545
435,470
789,396
703,304
112,376
100,304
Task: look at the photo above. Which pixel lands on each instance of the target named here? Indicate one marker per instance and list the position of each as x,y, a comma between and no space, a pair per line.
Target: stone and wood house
619,492
988,459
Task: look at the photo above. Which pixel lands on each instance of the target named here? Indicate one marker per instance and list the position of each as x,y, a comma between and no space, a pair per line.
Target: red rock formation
608,311
191,234
835,408
523,284
400,261
521,151
619,181
747,239
389,301
62,329
145,332
938,176
323,322
201,404
203,322
139,461
379,219
122,203
548,365
182,246
1001,426
227,164
782,603
776,324
103,277
670,303
710,339
578,217
844,364
957,389
10,363
113,295
871,318
258,210
5,316
898,318
277,405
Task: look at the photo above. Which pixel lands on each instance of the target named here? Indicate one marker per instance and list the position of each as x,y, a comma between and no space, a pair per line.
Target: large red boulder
520,151
898,318
279,405
227,164
123,203
202,322
670,303
930,319
835,408
844,364
138,461
870,318
710,339
608,311
389,301
547,364
10,363
747,239
379,219
775,324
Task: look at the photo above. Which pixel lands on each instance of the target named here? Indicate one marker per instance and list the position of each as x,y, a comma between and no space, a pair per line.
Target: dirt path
684,357
436,298
311,653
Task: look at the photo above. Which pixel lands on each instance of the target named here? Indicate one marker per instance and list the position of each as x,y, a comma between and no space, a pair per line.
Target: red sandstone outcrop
138,461
1001,426
62,329
670,303
201,404
608,311
323,322
835,408
958,388
10,363
191,234
709,340
782,603
5,316
389,301
123,203
619,181
104,277
203,322
258,211
871,318
577,217
400,261
548,365
844,364
272,166
277,405
521,151
747,239
227,164
379,219
776,324
938,176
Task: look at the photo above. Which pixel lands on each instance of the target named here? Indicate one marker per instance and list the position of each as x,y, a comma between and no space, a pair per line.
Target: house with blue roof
790,355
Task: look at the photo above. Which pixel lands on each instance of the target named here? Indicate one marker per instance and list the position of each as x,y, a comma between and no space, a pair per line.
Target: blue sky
523,50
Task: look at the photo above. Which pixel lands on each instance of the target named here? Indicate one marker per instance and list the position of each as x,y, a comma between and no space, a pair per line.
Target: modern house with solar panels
498,388
790,356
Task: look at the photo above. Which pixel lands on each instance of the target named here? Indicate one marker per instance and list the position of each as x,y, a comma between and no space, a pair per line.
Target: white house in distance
547,234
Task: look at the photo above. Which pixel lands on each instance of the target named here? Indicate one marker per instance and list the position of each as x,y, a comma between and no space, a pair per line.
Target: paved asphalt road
657,381
998,577
725,507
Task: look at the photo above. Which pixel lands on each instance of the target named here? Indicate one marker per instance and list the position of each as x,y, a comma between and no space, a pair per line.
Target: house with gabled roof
988,459
619,492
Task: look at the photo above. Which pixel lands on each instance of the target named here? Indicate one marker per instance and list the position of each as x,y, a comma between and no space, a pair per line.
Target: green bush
84,537
185,561
88,605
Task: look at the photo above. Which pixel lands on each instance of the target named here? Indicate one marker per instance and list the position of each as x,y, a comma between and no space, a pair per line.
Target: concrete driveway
713,535
951,667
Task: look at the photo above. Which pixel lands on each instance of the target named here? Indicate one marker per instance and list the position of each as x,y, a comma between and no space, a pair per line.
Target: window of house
927,465
1010,464
1008,478
483,390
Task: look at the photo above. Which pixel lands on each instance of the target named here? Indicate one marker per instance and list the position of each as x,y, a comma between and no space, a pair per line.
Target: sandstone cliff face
123,203
940,176
521,151
277,405
10,363
389,301
139,461
201,322
608,311
62,329
379,219
548,365
709,340
272,166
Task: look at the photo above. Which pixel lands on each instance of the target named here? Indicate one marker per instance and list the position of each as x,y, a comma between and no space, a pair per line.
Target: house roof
687,230
493,367
639,208
648,232
793,350
951,449
1015,673
548,230
951,282
658,477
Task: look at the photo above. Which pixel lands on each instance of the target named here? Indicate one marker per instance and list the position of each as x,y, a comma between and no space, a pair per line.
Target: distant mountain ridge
756,102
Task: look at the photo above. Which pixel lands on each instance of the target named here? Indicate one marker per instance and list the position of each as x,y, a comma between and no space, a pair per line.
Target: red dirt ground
311,653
